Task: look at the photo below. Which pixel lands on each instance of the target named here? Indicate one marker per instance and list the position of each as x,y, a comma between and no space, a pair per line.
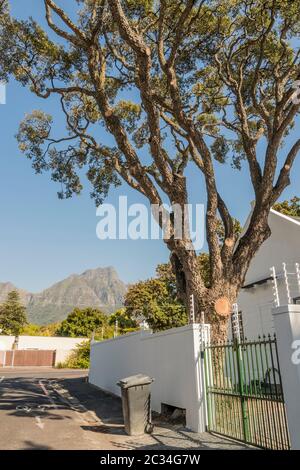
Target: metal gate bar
244,392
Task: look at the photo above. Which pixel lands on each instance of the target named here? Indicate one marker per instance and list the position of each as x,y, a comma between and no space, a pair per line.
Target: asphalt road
56,409
59,410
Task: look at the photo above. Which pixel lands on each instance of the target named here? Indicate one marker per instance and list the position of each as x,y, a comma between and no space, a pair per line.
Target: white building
258,296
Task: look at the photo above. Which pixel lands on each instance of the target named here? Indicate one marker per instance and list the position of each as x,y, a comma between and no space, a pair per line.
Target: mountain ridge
99,287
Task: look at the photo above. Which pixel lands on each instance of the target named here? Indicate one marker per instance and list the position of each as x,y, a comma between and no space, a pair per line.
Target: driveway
57,409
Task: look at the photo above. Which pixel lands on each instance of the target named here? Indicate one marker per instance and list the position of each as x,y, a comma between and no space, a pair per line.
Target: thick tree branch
283,179
143,54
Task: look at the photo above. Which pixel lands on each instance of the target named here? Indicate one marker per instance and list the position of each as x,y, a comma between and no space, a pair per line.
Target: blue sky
44,239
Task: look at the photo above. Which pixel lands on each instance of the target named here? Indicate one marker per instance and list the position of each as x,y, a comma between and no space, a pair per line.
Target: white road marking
43,388
25,408
2,378
42,408
39,422
46,392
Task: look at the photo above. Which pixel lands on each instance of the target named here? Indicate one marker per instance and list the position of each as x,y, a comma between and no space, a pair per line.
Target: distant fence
27,358
63,346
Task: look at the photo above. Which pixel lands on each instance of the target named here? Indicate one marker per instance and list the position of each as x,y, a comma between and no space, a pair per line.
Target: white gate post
196,420
287,327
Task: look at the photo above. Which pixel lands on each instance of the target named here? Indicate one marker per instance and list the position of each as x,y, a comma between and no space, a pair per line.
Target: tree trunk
217,308
220,329
16,342
216,302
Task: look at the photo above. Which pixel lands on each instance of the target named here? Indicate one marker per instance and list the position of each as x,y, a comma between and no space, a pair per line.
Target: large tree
13,316
175,83
82,322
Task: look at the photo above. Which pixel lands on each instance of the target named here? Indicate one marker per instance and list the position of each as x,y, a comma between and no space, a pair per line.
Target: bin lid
135,380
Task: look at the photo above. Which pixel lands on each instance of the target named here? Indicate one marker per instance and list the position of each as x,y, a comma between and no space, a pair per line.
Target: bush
79,358
40,330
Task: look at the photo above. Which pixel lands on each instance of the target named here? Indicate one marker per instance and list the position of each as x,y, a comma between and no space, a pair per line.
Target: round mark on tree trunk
222,306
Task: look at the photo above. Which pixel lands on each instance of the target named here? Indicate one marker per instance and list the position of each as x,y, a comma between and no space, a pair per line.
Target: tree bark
217,308
216,301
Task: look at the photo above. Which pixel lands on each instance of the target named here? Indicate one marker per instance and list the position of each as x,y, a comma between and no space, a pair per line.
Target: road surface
58,410
49,409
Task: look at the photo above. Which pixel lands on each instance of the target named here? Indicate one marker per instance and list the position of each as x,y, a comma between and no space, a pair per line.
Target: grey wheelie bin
136,404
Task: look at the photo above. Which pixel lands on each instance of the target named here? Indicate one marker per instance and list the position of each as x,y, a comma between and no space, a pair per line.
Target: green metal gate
244,392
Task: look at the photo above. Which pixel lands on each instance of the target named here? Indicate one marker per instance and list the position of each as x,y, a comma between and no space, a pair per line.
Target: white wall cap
289,308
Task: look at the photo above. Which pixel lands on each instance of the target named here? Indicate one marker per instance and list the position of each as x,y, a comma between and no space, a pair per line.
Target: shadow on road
30,445
107,407
21,397
71,400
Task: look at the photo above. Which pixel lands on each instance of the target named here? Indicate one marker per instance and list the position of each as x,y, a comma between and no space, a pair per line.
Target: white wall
287,326
171,357
62,345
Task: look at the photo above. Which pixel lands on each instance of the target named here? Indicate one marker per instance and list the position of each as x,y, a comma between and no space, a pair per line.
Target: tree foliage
32,329
82,323
125,323
155,301
291,207
237,230
5,63
79,357
206,82
13,317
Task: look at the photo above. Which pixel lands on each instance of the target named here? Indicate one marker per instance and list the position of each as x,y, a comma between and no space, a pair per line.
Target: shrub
79,358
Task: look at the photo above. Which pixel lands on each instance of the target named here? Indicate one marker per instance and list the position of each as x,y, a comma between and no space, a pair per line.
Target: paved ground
58,409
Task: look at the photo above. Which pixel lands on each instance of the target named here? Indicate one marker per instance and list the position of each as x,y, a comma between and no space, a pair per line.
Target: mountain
99,287
6,287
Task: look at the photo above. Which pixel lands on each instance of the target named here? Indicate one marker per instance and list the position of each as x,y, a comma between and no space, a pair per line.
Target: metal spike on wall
192,309
287,286
275,287
297,267
236,322
203,331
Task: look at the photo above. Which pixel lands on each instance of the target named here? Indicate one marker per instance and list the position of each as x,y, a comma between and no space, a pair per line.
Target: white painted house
257,297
